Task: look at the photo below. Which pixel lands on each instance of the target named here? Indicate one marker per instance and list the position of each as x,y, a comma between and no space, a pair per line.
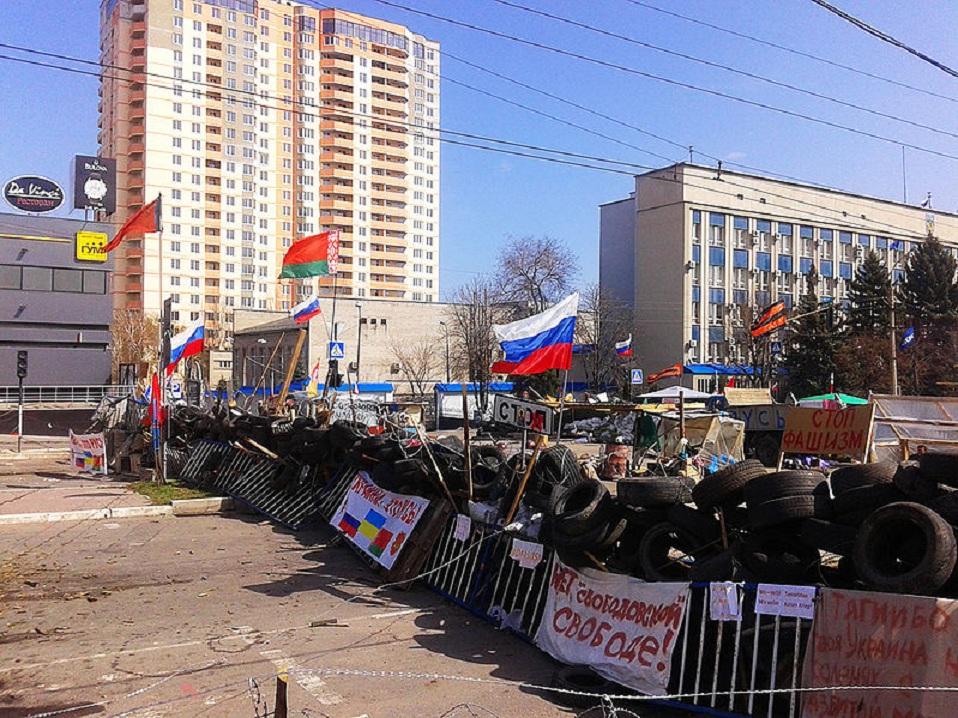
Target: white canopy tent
672,393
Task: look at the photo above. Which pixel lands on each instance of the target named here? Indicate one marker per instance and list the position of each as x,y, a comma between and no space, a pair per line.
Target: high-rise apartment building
260,122
696,252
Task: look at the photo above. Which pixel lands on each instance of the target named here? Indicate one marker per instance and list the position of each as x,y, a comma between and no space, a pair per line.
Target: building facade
381,335
260,122
703,250
52,304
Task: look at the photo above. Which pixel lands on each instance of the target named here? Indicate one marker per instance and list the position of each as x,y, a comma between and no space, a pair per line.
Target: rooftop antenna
691,158
718,171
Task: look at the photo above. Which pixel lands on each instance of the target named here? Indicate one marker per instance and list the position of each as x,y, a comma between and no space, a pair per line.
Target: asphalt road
146,618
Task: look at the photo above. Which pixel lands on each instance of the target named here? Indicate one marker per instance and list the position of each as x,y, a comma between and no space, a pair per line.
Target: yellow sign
89,246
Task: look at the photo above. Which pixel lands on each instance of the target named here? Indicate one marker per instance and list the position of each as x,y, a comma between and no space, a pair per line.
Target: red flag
146,219
668,373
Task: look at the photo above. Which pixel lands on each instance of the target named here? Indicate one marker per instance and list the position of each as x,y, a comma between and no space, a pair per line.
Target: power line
726,68
667,80
884,36
791,50
335,110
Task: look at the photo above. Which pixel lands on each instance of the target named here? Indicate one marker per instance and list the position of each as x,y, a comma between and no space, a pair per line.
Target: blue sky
49,116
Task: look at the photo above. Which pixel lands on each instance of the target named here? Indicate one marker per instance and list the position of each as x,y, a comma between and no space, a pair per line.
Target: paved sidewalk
49,484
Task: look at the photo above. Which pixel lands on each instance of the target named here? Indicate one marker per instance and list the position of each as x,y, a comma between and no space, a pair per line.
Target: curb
123,512
203,507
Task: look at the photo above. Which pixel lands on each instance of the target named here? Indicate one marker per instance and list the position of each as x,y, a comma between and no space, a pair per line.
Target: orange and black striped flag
773,317
668,373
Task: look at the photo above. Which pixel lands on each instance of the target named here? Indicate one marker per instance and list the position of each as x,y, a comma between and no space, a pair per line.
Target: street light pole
891,334
446,330
359,341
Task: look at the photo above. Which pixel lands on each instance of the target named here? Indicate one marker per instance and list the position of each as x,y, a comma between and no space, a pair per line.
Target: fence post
282,683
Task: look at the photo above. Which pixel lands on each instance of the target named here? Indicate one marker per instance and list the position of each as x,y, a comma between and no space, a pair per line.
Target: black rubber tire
946,506
866,498
614,532
855,476
574,538
939,467
582,506
638,521
720,567
783,484
385,477
792,508
892,532
344,434
766,450
914,484
653,492
726,485
703,525
852,518
654,547
827,536
778,557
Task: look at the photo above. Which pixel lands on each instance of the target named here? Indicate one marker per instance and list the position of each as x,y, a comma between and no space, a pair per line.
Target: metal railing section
84,394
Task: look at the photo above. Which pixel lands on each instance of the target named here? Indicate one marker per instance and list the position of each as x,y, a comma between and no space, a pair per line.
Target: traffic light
22,364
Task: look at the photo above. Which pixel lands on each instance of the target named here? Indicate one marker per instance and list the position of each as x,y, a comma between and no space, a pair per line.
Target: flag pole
330,374
562,392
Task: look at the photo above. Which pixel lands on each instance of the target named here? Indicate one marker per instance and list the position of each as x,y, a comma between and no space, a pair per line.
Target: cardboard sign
88,453
378,521
874,639
622,628
828,432
526,553
747,396
723,602
537,418
463,527
347,406
772,599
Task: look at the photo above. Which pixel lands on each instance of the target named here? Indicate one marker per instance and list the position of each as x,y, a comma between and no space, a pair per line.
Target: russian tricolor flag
305,310
540,342
187,343
624,348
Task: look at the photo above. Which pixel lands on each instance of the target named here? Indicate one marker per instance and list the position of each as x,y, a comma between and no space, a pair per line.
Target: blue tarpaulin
472,387
713,368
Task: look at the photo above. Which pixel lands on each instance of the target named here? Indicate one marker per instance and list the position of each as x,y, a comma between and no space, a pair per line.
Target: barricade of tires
877,526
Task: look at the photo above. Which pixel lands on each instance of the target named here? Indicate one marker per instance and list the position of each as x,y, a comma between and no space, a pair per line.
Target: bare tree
535,272
472,315
135,338
418,361
602,322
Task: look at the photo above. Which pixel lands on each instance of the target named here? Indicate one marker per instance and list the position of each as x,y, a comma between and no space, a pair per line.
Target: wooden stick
291,369
721,515
540,439
598,564
435,466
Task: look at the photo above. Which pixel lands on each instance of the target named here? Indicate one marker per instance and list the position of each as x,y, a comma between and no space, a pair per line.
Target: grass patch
163,494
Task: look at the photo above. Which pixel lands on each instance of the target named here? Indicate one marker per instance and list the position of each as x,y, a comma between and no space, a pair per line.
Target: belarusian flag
313,256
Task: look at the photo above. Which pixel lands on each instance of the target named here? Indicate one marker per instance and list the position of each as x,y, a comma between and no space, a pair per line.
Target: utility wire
667,80
720,66
791,50
335,110
316,110
884,36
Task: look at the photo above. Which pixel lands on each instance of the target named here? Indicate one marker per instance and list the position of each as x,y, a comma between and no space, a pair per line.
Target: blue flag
907,338
896,244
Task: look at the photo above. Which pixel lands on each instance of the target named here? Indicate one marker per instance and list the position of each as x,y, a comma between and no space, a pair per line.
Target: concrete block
202,507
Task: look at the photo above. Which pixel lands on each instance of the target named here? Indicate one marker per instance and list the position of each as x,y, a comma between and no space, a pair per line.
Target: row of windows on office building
751,232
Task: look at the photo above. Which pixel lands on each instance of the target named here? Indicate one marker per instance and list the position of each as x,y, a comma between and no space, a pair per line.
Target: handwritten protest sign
873,639
622,628
527,554
828,432
463,527
88,453
724,601
378,521
772,599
